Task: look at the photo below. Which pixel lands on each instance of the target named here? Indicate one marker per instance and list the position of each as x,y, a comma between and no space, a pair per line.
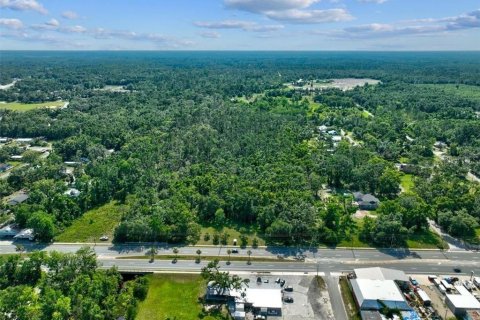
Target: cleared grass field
464,91
175,297
18,106
93,224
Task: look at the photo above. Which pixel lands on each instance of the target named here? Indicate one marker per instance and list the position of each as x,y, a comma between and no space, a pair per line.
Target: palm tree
199,252
152,252
175,250
229,252
249,252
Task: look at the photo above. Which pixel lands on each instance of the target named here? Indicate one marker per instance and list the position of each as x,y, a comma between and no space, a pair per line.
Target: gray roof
19,198
377,273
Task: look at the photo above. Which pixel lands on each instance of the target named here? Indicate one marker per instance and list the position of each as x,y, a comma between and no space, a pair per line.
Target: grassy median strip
207,258
350,306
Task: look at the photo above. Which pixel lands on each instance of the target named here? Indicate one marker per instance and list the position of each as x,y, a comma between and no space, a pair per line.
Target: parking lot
310,300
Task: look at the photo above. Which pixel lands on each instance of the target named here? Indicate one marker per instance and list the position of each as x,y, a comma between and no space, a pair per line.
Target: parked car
288,288
260,317
234,250
259,280
266,281
413,281
104,238
282,282
278,280
288,299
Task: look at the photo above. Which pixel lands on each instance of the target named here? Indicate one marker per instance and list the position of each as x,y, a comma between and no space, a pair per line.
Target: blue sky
240,24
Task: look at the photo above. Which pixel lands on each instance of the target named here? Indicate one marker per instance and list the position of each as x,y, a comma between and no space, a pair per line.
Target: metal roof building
461,302
377,273
263,301
372,294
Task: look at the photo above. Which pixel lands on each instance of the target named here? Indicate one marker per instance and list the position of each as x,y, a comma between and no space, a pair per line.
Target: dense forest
195,139
71,288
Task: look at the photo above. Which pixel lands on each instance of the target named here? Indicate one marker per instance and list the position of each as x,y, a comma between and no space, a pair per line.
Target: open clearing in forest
93,224
342,84
18,106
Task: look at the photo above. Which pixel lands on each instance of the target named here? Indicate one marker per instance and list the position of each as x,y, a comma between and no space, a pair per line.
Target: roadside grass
176,296
93,224
354,240
233,230
18,106
425,239
407,182
350,306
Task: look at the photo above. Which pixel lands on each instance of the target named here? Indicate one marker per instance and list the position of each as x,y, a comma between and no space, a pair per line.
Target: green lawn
18,106
407,182
93,224
233,231
420,240
175,296
425,240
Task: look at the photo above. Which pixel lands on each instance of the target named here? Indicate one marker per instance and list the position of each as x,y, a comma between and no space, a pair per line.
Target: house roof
377,273
369,198
18,198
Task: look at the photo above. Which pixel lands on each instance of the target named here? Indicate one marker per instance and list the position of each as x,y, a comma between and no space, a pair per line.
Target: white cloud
310,16
23,5
53,23
430,26
290,11
11,23
261,6
158,39
210,34
70,15
238,24
74,29
374,1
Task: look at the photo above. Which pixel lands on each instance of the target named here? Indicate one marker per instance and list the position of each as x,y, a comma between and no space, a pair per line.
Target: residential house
366,201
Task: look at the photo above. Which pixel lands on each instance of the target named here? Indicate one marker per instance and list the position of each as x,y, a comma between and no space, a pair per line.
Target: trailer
424,297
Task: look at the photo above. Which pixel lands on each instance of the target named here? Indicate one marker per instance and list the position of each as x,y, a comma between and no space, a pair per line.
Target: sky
372,25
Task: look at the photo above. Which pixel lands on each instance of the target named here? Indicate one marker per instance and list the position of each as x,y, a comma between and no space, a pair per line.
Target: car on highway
234,250
288,299
288,288
457,269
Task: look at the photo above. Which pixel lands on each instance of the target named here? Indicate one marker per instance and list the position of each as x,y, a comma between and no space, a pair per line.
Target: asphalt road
408,266
336,298
329,260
